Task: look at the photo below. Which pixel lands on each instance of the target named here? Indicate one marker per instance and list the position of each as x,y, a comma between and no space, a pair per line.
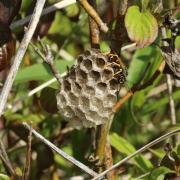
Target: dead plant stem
28,157
60,152
94,15
20,54
6,161
170,91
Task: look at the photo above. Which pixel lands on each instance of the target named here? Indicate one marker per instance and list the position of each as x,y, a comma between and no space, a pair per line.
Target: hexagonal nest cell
88,90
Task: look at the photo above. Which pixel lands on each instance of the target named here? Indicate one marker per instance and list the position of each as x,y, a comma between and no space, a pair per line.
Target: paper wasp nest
89,90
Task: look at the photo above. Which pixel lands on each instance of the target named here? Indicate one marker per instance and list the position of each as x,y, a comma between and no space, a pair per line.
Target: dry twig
47,56
47,10
94,30
28,157
157,90
20,54
94,15
6,161
102,130
61,153
50,61
170,90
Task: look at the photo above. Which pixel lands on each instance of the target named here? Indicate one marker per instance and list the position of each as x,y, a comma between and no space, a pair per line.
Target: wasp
120,71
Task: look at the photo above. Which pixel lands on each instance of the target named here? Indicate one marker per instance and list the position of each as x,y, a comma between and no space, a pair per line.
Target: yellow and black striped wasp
120,71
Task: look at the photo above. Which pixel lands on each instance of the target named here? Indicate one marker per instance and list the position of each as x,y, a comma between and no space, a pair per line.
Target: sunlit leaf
139,63
126,148
142,27
159,173
4,177
40,71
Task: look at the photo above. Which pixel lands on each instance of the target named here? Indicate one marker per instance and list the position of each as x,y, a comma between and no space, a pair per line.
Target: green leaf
159,173
139,63
4,177
153,106
61,25
25,5
158,152
126,148
121,144
60,160
177,43
41,71
138,99
142,27
72,10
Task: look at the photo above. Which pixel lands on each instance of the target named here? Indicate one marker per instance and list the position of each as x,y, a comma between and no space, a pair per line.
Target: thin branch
170,90
129,46
171,101
103,130
47,10
28,157
121,102
157,90
109,160
102,134
152,143
94,30
20,54
94,15
62,153
49,59
6,161
42,86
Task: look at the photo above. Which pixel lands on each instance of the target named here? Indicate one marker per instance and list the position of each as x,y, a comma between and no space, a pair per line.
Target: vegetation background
142,118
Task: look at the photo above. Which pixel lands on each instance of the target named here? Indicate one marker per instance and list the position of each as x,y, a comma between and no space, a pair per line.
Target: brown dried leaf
7,46
8,10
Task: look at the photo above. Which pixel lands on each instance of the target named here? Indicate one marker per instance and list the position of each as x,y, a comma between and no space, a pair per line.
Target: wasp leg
113,63
115,74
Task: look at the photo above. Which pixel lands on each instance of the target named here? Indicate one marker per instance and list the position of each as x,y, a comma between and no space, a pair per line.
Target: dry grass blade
47,10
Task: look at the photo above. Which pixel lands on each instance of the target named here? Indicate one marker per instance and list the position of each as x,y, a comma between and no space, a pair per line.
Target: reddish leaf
8,10
142,27
7,46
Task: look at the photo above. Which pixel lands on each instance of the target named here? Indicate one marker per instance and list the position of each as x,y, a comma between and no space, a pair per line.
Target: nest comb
89,90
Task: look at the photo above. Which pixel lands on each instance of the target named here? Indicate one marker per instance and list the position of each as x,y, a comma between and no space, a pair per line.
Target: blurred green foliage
142,118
